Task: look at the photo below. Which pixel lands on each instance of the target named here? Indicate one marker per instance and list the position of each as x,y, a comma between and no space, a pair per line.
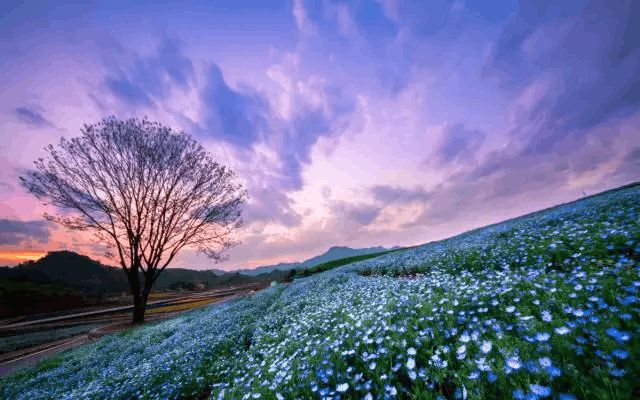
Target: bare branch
142,188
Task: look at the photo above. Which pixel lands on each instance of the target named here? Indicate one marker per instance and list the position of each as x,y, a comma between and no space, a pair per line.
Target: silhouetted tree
145,190
290,275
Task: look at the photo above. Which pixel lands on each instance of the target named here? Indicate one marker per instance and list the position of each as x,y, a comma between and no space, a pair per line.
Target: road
206,295
31,359
110,317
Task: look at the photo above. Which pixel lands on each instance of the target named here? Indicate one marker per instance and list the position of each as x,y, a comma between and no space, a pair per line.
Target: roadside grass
181,306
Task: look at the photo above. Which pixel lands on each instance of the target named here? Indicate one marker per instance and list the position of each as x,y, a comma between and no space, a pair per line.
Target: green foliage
344,261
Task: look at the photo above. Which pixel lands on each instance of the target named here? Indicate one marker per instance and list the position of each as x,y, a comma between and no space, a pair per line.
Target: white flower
486,346
342,387
411,351
411,363
542,336
545,361
514,362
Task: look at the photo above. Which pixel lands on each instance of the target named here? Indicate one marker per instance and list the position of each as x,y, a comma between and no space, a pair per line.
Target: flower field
543,306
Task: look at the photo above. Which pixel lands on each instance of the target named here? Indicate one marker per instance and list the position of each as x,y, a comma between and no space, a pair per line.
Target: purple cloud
591,60
15,232
393,194
146,80
32,116
458,144
236,117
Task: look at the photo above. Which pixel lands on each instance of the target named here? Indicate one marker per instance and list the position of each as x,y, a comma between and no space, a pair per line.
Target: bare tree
145,190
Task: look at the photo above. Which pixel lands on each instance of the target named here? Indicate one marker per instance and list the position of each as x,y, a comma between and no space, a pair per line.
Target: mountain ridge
79,271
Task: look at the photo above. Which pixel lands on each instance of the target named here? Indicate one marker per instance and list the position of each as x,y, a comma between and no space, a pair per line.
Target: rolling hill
546,305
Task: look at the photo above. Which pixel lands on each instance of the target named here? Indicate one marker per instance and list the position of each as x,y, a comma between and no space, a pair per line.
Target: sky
363,123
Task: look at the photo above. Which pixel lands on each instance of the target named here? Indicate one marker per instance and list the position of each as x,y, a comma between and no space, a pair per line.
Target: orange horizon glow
20,256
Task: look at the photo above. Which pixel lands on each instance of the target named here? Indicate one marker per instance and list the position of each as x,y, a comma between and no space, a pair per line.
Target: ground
543,306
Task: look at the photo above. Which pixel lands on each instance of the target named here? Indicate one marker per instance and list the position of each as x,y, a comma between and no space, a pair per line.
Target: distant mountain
80,272
334,253
269,268
337,252
69,269
74,270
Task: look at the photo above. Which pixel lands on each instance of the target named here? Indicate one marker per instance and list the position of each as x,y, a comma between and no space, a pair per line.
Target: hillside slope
332,254
542,306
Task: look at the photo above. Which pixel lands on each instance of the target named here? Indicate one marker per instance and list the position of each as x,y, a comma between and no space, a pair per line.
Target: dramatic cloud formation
13,232
376,122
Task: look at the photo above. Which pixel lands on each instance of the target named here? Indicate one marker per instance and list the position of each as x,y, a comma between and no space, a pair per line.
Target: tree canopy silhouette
145,190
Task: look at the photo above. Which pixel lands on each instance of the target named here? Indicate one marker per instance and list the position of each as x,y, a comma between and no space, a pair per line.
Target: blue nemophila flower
542,336
510,309
460,394
553,371
531,366
486,346
625,316
518,394
628,300
545,361
619,336
539,390
411,363
391,390
562,330
620,354
342,387
411,351
482,364
461,351
617,372
514,362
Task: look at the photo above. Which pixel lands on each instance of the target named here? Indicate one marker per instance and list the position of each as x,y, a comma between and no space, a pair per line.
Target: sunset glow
372,123
20,256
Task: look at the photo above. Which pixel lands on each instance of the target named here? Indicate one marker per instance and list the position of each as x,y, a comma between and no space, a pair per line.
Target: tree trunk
139,307
140,300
